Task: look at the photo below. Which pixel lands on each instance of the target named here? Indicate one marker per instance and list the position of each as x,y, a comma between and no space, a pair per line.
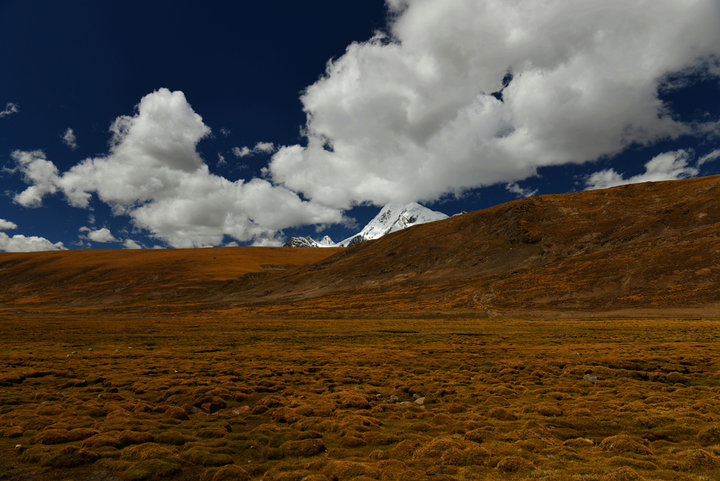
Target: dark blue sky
242,66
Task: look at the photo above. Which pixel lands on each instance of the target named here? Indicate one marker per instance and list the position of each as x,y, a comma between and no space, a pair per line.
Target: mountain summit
394,217
391,218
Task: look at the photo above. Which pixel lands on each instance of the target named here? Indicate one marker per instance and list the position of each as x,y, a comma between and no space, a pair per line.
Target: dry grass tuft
622,443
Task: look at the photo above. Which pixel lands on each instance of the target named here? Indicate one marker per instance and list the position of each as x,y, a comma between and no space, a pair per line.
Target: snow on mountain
392,217
309,242
326,242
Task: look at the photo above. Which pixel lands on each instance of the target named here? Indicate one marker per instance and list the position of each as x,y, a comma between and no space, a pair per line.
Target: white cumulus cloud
666,166
411,116
7,225
101,235
21,243
154,174
40,173
131,244
69,139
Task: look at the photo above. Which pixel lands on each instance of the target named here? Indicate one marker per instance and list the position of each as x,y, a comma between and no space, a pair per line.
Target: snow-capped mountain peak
393,217
326,242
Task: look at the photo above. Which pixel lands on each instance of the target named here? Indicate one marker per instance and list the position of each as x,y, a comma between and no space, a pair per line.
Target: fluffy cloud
10,108
154,174
39,172
260,147
69,139
131,244
21,243
101,235
432,109
7,225
666,166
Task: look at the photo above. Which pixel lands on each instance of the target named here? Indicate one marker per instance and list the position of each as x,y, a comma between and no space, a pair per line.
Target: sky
134,124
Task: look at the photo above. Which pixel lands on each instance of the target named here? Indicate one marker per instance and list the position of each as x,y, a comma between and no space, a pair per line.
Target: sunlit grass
234,398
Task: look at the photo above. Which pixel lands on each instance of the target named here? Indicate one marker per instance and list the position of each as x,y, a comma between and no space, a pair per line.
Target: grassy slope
91,279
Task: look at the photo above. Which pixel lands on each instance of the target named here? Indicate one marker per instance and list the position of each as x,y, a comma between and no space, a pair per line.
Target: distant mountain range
392,218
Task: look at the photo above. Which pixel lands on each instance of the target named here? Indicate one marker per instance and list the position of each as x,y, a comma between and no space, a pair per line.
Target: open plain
527,341
221,397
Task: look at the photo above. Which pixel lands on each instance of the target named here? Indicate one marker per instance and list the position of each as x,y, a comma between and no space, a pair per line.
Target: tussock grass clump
128,437
212,432
176,412
171,437
230,472
709,435
633,463
622,443
60,436
351,440
140,452
103,440
693,460
351,400
549,410
303,447
348,470
12,432
151,470
579,443
622,474
502,414
476,435
514,464
70,456
206,457
437,447
474,455
65,457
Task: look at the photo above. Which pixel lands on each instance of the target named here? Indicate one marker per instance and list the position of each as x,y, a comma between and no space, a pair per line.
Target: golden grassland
223,397
453,350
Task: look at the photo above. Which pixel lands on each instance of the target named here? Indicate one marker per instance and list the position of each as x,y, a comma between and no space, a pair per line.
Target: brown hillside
649,246
88,279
